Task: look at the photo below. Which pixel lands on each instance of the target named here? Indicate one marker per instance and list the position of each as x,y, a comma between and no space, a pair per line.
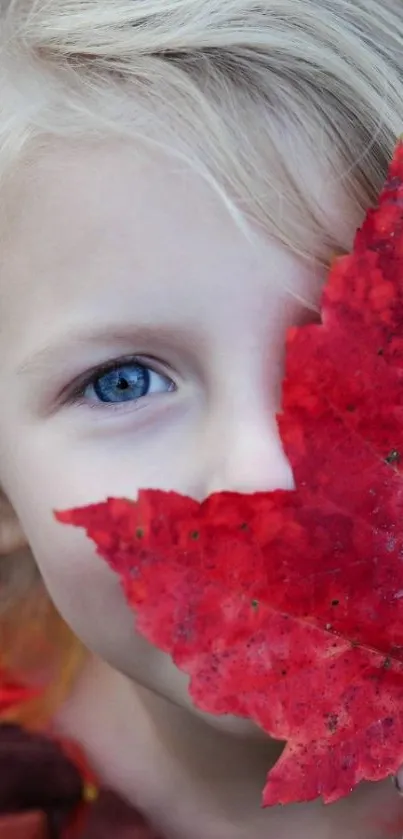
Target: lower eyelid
152,407
104,407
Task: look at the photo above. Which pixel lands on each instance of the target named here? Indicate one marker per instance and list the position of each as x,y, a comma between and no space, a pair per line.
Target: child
177,176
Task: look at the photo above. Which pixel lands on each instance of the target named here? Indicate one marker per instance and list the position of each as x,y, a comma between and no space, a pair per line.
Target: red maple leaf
287,607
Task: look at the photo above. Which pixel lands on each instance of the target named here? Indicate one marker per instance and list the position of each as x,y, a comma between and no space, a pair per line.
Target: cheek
41,477
88,595
85,591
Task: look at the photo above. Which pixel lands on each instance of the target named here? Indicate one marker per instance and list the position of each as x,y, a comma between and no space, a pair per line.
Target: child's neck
194,782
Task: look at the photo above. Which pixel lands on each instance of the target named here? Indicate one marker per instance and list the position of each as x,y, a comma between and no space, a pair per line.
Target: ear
12,537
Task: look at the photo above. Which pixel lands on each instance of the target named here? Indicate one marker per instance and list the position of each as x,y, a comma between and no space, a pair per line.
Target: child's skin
126,246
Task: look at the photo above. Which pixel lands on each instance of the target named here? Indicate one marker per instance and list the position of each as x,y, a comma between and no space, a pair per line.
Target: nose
246,455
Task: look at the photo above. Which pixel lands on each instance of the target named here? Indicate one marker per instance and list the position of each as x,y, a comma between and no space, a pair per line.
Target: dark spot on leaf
195,535
332,722
346,763
139,532
350,408
380,351
283,672
393,456
255,604
354,644
387,663
244,526
335,602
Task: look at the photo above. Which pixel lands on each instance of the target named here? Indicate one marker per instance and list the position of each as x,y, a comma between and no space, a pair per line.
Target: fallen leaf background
287,607
13,693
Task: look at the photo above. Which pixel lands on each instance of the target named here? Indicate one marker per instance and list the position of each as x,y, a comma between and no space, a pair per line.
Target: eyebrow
51,354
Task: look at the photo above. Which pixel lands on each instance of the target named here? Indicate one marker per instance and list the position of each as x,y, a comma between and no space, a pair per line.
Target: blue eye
125,381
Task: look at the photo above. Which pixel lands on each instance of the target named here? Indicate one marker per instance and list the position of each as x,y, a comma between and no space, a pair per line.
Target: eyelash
74,395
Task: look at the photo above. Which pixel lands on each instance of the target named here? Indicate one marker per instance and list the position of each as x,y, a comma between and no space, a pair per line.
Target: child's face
113,255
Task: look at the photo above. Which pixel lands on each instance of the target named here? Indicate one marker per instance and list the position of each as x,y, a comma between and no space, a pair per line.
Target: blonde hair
235,88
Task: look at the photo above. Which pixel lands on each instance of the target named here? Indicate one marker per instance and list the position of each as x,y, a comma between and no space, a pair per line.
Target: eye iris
123,384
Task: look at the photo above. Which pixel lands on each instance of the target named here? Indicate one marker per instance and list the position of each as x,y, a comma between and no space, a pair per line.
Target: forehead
82,194
85,219
89,223
63,181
